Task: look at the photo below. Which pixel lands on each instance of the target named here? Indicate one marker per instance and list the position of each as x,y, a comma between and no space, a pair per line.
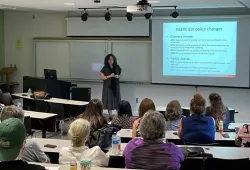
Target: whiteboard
86,59
135,60
83,59
52,55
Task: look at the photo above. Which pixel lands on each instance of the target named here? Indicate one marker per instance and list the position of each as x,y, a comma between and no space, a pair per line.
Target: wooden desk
58,142
126,135
42,121
52,100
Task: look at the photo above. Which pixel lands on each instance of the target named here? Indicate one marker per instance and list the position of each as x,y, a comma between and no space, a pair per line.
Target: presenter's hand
117,76
111,75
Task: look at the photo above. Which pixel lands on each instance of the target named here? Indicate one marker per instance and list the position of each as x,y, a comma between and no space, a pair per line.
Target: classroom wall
1,39
26,25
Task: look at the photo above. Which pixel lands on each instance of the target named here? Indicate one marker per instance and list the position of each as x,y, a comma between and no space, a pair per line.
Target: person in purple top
150,152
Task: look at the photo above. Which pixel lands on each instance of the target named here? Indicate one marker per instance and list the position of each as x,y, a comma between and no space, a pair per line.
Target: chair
228,164
59,110
81,94
28,126
186,112
6,99
41,106
197,144
232,112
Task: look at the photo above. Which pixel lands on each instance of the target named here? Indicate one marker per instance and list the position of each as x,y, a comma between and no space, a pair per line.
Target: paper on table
52,168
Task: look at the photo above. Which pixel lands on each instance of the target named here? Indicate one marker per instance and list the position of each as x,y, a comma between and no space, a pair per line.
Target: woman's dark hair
217,109
198,104
146,105
106,60
124,108
173,110
94,114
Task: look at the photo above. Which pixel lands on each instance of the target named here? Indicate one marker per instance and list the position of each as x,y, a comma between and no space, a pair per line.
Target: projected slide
205,49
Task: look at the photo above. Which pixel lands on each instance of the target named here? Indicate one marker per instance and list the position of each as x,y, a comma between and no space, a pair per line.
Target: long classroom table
126,136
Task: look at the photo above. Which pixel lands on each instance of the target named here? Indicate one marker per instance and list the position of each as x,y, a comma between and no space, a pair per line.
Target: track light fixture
148,15
107,16
85,16
175,14
129,16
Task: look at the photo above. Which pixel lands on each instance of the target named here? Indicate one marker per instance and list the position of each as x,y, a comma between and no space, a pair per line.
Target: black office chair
41,106
59,110
6,99
81,94
232,112
192,164
185,112
28,126
228,164
198,144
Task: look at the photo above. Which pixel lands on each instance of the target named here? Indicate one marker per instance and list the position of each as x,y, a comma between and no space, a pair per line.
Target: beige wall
25,26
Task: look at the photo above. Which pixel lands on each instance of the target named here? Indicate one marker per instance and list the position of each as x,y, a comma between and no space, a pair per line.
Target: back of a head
173,110
152,126
79,132
12,136
124,108
198,104
93,113
146,105
217,108
12,112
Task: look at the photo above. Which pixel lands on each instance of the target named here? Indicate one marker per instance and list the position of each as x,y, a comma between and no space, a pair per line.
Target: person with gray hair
78,134
159,155
32,152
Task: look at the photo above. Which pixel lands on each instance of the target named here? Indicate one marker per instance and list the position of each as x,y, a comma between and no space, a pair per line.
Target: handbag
102,137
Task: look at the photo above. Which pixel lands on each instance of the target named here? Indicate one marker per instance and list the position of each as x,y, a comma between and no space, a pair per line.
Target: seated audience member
32,152
94,114
173,115
243,136
125,118
218,111
197,128
146,105
78,133
150,152
12,144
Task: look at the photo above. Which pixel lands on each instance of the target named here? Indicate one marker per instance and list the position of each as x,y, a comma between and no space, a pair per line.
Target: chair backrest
230,164
41,106
81,94
232,112
57,109
198,144
6,99
185,112
28,126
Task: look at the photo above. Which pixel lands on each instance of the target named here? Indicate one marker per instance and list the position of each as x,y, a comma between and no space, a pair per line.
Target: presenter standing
110,75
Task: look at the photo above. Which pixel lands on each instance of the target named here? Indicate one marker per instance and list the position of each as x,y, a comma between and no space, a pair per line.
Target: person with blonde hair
78,134
32,151
197,128
173,114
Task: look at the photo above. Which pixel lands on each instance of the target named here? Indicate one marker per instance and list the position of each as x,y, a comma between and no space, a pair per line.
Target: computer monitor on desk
50,74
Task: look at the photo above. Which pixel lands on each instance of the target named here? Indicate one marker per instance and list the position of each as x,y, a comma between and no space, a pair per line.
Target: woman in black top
110,75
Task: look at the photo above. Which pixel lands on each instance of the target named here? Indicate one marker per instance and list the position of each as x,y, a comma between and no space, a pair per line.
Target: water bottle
119,145
73,165
115,144
221,127
19,105
29,91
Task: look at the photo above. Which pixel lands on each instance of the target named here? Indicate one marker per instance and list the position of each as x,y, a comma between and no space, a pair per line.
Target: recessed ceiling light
153,1
69,3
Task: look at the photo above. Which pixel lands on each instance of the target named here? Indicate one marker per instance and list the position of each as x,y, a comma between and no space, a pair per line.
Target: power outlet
137,100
